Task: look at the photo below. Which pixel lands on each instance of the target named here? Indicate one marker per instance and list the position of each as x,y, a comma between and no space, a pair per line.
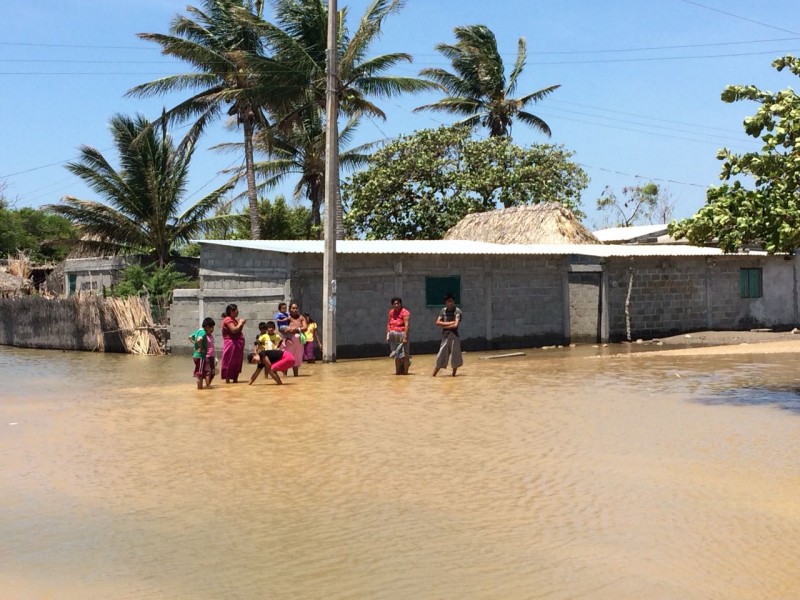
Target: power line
651,48
615,172
31,170
658,58
657,133
61,162
735,16
94,47
715,135
529,52
92,62
619,112
420,65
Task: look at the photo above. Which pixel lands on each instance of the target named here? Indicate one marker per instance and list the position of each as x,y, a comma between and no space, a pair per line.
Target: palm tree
219,42
478,89
143,197
300,151
298,41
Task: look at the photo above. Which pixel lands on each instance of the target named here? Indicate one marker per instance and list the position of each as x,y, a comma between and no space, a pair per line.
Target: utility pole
331,189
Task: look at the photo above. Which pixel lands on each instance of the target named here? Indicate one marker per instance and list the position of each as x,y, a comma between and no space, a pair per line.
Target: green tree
639,204
478,89
157,282
419,186
299,151
768,213
144,196
280,222
42,236
219,42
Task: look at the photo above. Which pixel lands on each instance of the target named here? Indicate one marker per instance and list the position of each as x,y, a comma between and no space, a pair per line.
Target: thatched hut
546,223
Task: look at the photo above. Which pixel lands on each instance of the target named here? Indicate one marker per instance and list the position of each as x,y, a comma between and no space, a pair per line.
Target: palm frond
519,65
538,95
460,106
535,122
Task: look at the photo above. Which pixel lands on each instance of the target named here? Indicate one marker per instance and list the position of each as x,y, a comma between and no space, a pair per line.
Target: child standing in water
312,337
210,366
282,318
200,355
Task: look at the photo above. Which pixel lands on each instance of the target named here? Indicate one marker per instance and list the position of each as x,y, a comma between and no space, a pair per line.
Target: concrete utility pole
331,190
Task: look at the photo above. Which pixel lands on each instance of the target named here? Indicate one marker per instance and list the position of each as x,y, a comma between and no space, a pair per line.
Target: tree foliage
157,282
43,237
219,41
279,221
272,78
759,203
419,186
144,197
478,89
639,204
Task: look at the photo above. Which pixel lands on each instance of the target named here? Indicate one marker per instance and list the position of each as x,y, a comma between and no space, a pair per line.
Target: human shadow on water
785,398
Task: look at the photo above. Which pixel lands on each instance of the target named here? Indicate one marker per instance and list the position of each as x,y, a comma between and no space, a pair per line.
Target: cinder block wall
255,281
668,296
507,301
675,295
776,308
229,268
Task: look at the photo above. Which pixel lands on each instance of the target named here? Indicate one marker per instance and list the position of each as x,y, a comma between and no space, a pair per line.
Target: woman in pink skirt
232,344
292,340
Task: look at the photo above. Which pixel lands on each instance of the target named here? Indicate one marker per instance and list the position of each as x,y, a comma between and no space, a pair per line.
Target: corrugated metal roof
623,234
463,247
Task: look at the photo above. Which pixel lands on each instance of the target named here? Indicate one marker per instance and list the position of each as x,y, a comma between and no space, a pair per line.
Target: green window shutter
437,287
751,284
755,283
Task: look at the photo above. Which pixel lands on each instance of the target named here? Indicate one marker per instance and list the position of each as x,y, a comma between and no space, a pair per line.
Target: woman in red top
397,336
232,344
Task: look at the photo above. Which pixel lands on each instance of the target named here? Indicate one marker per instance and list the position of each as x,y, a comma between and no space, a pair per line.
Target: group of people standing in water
397,336
290,339
280,345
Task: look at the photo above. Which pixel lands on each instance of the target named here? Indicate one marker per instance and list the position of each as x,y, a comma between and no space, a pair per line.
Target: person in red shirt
397,336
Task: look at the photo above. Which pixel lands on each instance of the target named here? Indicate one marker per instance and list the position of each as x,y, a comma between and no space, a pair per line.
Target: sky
639,99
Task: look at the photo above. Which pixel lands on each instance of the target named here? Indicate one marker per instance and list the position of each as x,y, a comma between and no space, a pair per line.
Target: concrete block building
512,295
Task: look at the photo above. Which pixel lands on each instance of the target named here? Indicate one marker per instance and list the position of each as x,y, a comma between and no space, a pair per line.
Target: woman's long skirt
295,346
232,357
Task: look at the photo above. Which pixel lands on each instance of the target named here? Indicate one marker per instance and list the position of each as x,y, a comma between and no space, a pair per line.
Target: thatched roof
546,223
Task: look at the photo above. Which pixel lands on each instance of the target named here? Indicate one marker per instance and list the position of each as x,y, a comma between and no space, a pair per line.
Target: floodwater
558,474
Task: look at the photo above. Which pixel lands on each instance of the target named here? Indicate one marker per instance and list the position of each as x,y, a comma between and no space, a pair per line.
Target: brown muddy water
555,475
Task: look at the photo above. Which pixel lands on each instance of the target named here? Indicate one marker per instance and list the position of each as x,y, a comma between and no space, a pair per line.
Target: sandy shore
726,343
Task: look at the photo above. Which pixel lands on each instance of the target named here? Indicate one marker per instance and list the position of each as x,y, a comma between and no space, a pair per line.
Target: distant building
93,275
636,234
